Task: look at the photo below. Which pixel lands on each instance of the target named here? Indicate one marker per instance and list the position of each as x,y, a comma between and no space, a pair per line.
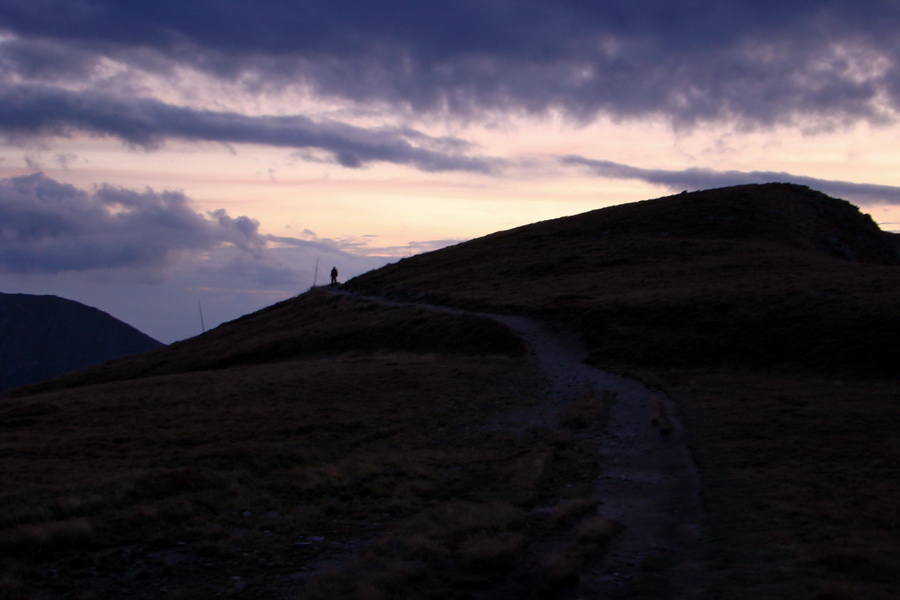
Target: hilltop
769,276
360,443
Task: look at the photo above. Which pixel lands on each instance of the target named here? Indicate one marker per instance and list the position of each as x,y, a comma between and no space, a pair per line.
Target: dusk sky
157,155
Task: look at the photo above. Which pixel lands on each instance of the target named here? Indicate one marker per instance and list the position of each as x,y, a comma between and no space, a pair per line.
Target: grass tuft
52,536
661,418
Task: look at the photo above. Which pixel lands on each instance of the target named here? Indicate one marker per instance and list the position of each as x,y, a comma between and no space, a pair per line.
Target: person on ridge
334,275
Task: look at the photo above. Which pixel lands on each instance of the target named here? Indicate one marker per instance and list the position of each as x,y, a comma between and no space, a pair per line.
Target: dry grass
313,325
724,278
355,475
802,476
773,311
586,412
660,418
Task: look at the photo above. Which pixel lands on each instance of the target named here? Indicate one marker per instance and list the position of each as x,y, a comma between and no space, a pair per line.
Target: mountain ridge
690,278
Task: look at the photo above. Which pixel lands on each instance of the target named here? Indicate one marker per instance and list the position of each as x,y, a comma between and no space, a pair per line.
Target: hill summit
761,275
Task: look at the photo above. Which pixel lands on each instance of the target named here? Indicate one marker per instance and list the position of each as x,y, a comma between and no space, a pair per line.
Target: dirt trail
649,482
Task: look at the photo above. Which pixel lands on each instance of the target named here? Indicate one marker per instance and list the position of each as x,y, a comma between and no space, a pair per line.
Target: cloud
695,179
39,110
47,60
758,63
147,257
46,226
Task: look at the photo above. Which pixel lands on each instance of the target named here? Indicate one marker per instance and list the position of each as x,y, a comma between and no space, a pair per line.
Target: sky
180,163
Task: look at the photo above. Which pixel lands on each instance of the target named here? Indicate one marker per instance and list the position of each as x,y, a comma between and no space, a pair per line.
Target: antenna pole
202,324
316,275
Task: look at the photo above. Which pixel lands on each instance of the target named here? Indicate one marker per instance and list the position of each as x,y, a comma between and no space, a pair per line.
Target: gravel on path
649,482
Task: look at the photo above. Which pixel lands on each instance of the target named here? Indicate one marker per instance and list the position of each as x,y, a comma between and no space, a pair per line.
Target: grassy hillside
775,276
773,314
313,325
325,447
334,446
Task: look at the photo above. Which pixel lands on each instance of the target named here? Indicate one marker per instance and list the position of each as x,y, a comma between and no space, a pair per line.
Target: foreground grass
800,477
355,476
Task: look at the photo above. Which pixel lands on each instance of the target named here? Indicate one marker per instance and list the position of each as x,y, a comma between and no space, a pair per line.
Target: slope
323,430
46,336
771,313
314,325
769,276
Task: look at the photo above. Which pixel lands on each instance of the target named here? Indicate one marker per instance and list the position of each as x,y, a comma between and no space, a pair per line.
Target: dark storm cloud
46,60
48,227
758,63
697,179
39,110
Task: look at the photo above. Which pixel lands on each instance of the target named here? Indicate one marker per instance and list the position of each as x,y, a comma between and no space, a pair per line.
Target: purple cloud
757,63
696,179
38,110
47,227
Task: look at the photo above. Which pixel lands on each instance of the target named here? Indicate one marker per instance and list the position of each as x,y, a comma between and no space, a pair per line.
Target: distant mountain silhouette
45,336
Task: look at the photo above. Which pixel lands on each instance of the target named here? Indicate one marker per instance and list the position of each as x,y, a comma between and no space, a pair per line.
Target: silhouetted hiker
334,275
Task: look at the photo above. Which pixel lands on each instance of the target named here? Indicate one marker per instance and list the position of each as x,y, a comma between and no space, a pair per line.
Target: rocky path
649,482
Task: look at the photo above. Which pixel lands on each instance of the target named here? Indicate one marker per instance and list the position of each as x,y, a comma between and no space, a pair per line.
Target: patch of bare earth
648,487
